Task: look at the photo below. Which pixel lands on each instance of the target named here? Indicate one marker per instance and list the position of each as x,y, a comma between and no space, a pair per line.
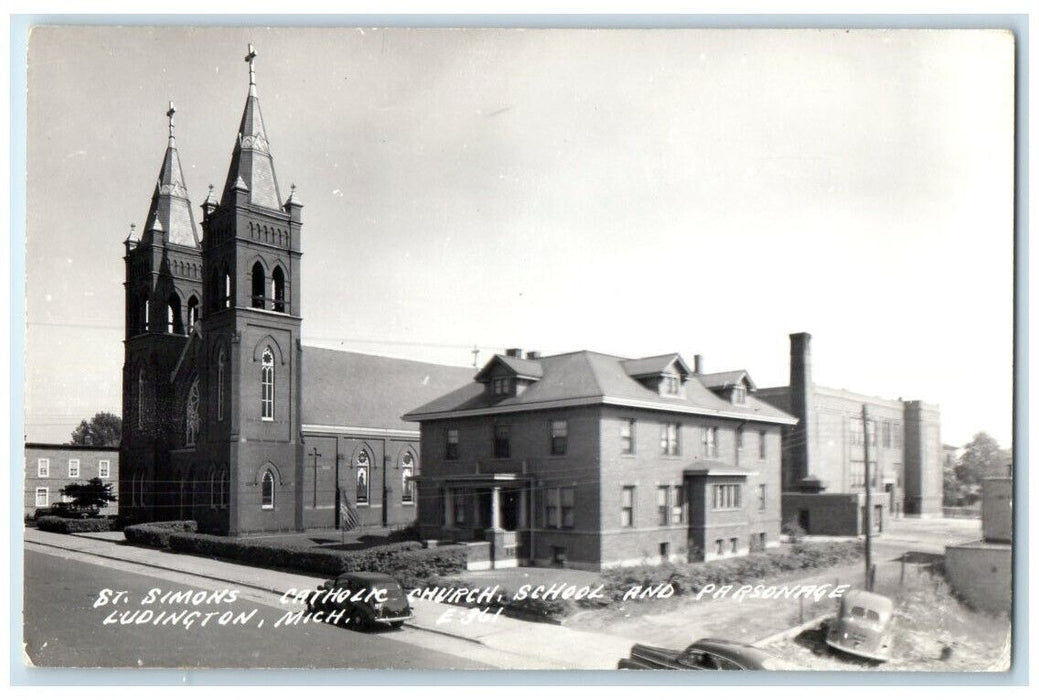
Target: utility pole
476,354
869,504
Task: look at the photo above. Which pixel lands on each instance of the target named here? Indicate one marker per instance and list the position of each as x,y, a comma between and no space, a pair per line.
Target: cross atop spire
169,113
249,58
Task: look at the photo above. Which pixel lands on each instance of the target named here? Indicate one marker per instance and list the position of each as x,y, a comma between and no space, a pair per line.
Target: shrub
793,530
406,561
157,534
68,526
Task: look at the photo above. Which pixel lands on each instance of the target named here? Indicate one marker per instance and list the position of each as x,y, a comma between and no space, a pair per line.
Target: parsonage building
227,418
591,460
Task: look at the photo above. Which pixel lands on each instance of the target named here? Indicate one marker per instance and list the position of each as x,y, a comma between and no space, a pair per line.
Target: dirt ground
933,632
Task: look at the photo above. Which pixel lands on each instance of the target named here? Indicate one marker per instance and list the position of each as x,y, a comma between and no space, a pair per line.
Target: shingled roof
724,380
368,391
584,378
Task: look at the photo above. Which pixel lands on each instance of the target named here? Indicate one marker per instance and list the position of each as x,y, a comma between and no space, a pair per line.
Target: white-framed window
558,432
407,473
663,505
628,436
566,506
42,497
679,511
762,444
267,491
451,447
502,442
727,497
104,469
552,508
363,466
267,384
501,385
710,442
627,506
669,443
739,394
559,507
73,468
762,498
43,468
191,419
672,384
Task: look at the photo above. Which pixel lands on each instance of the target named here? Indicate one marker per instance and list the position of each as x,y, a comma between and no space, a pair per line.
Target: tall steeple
252,168
170,212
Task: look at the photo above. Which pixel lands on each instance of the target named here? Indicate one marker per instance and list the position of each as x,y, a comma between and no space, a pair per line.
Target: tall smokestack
802,399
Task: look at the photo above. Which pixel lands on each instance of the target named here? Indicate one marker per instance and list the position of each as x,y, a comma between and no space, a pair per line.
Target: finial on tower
169,113
249,58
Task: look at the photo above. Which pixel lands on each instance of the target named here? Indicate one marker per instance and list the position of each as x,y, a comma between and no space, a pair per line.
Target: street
62,628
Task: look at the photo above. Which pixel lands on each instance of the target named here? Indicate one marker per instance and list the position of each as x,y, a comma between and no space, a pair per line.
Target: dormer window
739,394
672,385
501,386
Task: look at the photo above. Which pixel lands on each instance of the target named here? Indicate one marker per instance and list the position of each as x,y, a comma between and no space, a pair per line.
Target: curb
791,632
159,566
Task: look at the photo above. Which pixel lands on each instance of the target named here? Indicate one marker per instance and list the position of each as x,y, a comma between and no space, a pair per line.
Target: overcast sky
630,192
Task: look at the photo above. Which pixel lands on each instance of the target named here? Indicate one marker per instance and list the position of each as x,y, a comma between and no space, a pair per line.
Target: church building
227,420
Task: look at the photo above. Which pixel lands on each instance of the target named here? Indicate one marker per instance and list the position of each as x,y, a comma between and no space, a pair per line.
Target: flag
349,518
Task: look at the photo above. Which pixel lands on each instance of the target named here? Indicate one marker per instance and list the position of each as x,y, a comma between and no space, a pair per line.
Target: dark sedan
366,599
702,655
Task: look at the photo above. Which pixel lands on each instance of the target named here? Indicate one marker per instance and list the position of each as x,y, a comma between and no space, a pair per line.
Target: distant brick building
823,455
49,468
591,460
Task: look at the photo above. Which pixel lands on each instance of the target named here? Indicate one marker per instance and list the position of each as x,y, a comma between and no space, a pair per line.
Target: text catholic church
227,419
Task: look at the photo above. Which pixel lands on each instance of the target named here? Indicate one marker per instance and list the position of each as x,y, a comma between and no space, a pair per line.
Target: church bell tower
250,332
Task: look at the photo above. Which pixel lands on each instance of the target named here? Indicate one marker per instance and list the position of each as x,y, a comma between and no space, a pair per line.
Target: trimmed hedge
690,578
407,561
157,534
68,526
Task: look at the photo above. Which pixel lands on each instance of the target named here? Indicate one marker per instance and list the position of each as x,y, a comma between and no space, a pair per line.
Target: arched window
174,323
267,490
145,312
267,385
192,312
213,488
227,289
141,408
407,473
363,466
191,420
278,289
220,363
258,286
225,488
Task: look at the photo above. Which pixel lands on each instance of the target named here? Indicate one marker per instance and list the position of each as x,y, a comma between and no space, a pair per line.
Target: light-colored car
864,626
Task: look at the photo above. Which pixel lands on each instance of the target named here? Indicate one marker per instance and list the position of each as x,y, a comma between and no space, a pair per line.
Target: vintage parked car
864,626
703,655
62,509
368,599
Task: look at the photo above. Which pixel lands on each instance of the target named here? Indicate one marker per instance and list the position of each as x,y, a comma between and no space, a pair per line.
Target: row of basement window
43,468
558,431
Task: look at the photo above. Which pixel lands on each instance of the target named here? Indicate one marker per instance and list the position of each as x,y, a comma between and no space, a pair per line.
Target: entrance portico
492,508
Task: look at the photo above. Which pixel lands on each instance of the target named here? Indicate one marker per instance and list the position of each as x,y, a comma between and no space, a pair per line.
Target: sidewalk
555,646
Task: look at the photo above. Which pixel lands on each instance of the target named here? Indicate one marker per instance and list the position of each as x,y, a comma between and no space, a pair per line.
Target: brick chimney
533,354
802,400
514,352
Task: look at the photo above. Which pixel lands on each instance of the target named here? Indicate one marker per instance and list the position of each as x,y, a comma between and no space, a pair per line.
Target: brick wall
58,458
